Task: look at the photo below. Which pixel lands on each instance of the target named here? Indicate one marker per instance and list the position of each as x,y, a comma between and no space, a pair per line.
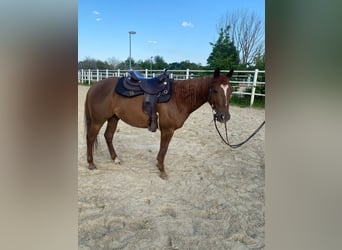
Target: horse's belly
135,121
132,115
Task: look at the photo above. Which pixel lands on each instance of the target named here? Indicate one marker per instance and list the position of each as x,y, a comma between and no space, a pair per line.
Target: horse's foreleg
166,135
109,133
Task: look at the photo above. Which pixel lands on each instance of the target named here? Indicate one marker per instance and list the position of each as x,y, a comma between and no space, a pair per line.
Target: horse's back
103,88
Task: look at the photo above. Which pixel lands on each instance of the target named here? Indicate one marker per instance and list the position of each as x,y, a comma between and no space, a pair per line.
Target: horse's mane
192,91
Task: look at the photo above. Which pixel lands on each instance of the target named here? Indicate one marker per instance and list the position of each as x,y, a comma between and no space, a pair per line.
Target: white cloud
96,13
152,41
186,24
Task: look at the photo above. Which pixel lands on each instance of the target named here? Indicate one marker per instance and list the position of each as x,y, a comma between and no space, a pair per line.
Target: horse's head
219,97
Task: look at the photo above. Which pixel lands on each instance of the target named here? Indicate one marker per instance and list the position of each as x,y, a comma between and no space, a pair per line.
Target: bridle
226,140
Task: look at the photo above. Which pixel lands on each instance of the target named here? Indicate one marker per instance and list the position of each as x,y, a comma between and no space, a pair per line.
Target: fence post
146,73
106,73
82,75
89,76
118,73
255,79
187,74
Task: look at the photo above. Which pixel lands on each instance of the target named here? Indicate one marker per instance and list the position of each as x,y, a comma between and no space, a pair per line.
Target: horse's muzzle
221,117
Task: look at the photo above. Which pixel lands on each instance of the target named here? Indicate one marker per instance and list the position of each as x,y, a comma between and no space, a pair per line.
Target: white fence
244,82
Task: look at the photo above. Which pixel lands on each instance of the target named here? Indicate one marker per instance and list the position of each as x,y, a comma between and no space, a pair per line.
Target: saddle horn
165,75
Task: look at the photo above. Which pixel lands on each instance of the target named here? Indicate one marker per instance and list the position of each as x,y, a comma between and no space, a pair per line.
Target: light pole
130,33
151,64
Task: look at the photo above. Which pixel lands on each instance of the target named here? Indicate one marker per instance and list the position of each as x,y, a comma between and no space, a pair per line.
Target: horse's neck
192,94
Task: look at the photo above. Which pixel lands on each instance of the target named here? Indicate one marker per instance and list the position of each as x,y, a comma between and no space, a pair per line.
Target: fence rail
244,82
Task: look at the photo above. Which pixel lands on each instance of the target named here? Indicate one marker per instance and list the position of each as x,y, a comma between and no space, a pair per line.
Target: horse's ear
230,73
217,72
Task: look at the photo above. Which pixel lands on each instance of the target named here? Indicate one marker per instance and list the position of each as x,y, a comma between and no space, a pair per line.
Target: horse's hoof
164,176
117,161
92,167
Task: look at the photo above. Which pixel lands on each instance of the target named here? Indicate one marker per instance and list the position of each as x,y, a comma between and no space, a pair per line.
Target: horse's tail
88,121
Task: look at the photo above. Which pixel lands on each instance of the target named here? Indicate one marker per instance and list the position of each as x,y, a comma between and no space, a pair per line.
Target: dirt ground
213,199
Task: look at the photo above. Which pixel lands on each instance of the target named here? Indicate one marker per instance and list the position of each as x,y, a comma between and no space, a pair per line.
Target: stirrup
153,125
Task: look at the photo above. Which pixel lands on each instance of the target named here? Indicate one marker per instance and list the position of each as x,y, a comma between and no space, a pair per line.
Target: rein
226,141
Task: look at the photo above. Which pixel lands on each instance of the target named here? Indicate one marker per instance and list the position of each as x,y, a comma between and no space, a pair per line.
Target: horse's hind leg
92,131
109,133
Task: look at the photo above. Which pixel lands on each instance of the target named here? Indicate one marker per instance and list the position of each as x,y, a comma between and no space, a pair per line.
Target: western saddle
155,90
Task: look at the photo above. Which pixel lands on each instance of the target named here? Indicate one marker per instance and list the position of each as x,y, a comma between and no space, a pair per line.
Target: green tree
174,66
103,65
146,64
224,54
159,63
125,64
90,63
87,63
183,65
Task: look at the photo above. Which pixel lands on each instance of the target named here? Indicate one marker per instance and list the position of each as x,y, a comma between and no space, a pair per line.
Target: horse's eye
214,91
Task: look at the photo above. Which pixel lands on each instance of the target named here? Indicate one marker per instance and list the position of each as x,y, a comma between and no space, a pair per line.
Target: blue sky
177,30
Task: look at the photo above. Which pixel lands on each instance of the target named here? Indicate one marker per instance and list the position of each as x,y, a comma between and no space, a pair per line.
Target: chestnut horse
103,104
